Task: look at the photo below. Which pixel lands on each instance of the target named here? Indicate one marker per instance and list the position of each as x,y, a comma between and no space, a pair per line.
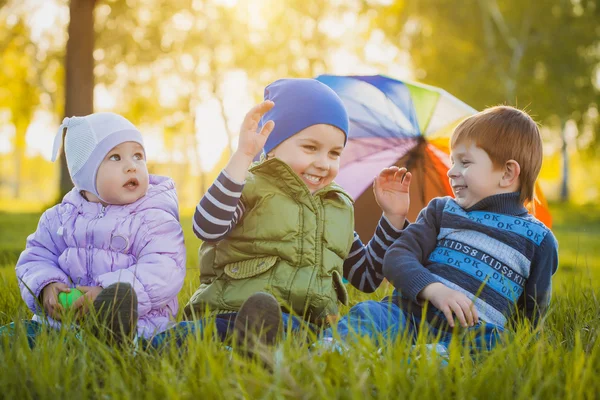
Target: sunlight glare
227,3
183,21
40,134
7,131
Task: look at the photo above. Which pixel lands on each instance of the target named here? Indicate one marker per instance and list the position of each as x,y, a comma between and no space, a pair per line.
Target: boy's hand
81,305
50,299
392,194
251,143
451,302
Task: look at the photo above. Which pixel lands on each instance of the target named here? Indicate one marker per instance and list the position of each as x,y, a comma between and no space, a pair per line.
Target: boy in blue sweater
478,257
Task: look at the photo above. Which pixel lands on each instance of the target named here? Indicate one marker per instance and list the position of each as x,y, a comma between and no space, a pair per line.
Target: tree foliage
27,82
542,55
160,59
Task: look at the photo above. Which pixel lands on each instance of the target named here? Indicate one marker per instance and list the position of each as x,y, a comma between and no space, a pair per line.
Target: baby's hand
81,305
391,193
451,302
250,142
50,299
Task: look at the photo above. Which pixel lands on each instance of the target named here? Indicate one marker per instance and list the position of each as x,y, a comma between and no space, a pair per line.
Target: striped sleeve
363,266
219,210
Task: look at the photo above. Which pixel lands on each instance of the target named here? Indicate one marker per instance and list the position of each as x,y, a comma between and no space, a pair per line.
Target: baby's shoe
117,311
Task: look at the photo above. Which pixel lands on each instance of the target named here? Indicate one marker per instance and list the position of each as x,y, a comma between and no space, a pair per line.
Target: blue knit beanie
300,103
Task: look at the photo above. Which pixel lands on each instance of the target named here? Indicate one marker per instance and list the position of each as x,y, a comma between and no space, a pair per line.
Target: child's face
122,177
313,154
473,176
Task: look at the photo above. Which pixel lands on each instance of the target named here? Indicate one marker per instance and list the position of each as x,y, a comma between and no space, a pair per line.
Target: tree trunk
197,158
564,187
79,71
19,153
221,102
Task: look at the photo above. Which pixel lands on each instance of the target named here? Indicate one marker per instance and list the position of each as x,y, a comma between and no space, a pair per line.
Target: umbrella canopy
398,123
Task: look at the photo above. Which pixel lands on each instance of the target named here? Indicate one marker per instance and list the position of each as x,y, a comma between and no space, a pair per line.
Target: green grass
560,360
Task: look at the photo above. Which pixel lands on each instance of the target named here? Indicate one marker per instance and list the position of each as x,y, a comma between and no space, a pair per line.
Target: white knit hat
87,141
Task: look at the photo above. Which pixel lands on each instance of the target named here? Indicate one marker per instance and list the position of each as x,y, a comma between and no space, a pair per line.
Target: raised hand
50,299
391,188
250,142
451,302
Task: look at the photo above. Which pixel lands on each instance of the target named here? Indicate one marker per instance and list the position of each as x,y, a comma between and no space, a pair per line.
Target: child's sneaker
117,311
259,320
436,351
329,344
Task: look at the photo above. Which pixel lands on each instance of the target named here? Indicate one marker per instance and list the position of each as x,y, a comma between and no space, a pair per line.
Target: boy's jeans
386,321
223,328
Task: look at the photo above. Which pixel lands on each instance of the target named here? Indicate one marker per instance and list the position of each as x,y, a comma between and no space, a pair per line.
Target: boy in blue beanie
280,235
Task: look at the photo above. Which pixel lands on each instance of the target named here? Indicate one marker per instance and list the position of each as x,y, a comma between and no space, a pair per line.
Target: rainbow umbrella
400,123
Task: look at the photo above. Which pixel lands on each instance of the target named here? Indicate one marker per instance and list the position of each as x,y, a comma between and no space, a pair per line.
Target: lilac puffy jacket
86,244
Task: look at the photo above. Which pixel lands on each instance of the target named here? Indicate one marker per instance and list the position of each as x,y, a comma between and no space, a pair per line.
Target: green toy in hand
67,299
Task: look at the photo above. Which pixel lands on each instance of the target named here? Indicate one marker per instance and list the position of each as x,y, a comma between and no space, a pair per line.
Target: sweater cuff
389,227
230,179
417,283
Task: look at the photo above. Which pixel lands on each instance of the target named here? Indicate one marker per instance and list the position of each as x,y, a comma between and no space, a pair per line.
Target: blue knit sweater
494,252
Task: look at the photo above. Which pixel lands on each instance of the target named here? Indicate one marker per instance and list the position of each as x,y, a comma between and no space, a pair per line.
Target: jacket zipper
90,247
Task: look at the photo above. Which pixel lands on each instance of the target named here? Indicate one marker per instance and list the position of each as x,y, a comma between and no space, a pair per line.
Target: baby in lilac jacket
116,236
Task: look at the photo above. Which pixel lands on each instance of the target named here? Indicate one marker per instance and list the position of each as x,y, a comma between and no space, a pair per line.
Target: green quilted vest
289,243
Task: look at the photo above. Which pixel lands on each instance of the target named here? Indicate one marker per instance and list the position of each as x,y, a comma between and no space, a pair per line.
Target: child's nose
130,167
322,163
452,172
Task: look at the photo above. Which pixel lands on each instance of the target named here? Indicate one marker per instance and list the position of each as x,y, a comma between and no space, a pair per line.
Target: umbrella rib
374,115
371,130
420,156
392,103
363,157
358,159
436,181
376,147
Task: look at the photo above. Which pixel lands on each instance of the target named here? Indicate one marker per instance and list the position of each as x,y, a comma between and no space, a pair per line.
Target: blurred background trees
186,71
540,55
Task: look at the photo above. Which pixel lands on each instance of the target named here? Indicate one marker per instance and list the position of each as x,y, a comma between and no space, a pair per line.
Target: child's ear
512,170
